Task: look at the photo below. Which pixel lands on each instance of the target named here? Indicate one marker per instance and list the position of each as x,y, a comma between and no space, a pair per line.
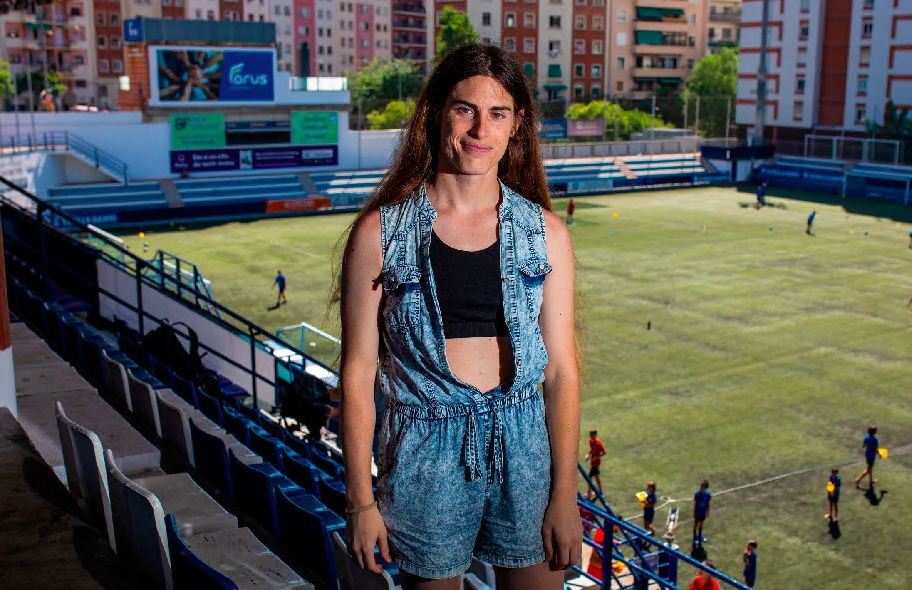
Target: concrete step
194,510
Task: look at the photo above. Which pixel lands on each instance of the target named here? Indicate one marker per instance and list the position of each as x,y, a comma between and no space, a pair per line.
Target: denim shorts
465,479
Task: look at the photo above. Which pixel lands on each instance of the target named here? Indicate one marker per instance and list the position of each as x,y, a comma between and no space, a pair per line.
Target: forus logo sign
247,76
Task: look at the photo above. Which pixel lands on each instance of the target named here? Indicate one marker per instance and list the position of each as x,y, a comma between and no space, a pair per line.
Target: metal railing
49,220
54,141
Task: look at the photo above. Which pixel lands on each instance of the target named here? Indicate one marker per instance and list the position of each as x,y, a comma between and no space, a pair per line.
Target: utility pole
760,114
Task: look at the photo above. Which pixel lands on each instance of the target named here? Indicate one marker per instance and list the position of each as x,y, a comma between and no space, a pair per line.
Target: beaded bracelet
358,509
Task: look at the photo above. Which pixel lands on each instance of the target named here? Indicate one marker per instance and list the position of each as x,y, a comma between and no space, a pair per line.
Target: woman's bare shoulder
556,231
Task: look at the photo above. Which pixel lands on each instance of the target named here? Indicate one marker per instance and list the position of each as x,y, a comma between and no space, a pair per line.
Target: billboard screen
199,75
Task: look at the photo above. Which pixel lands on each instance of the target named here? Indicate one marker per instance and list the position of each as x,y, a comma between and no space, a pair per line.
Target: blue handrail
66,141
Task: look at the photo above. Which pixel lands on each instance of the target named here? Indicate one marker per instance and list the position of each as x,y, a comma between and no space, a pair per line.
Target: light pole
760,113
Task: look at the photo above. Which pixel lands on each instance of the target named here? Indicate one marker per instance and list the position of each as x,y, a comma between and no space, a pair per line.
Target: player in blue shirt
749,557
833,483
869,444
280,283
810,223
761,195
702,498
649,508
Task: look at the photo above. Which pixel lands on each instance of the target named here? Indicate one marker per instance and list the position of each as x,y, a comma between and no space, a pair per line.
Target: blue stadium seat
299,446
306,529
328,465
332,494
187,569
186,389
254,488
274,428
236,425
266,446
211,408
302,472
253,414
211,458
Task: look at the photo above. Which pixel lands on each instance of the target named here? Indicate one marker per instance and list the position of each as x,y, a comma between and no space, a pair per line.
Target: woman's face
475,126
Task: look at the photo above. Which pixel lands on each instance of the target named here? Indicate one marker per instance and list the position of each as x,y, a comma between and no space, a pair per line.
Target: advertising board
205,75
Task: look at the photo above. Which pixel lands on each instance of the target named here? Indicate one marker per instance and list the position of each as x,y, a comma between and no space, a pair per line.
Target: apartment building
832,65
409,36
581,49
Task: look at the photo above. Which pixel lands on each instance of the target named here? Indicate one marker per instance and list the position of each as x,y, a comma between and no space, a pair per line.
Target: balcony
647,73
660,15
407,8
409,25
733,17
647,41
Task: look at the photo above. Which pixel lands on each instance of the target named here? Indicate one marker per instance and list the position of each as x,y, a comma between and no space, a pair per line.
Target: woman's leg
533,577
411,582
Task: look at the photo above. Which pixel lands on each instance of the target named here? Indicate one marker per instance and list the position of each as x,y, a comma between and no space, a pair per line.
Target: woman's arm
361,294
562,530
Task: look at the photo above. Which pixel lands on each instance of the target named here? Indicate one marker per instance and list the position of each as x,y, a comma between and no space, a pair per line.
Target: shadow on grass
870,208
873,497
834,530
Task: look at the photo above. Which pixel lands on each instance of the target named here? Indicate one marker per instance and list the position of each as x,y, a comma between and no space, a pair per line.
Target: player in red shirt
571,207
596,451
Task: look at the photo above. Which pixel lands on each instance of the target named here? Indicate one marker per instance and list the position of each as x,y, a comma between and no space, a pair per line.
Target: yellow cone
142,234
883,452
831,487
641,497
616,215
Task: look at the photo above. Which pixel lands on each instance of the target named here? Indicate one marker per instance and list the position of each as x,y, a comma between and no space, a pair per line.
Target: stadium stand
291,492
809,173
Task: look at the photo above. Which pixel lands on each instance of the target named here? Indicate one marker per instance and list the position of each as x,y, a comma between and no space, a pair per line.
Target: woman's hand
365,531
562,533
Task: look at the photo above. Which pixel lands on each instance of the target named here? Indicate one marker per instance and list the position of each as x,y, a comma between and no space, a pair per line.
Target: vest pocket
402,285
533,272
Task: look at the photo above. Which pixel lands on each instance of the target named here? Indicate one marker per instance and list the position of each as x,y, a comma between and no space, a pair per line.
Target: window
597,47
867,27
509,44
621,63
554,48
554,22
578,70
693,19
117,66
81,84
210,14
805,5
528,44
579,23
868,4
596,92
114,20
864,56
621,39
305,13
510,19
486,19
799,85
860,113
529,20
579,46
619,86
598,3
578,91
580,2
102,42
622,15
802,56
862,84
798,110
78,60
103,66
76,11
804,30
690,64
598,23
115,42
100,18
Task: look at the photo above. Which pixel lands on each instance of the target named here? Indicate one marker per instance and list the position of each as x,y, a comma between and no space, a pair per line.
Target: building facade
832,65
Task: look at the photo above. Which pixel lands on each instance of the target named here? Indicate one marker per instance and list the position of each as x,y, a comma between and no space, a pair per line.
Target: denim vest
414,372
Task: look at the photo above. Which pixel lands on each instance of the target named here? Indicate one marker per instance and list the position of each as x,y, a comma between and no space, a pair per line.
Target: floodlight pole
760,114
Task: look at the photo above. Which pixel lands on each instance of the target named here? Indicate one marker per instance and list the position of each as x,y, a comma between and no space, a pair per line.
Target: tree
714,82
897,124
6,79
386,79
456,30
626,121
393,115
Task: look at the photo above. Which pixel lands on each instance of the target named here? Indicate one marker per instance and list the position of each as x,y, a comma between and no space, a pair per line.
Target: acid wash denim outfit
461,471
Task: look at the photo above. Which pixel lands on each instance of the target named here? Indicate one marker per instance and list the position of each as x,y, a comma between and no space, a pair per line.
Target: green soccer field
770,351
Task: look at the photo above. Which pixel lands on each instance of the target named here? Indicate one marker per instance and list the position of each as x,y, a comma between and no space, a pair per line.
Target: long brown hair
415,159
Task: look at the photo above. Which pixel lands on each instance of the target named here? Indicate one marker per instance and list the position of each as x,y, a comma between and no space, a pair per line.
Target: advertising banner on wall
197,131
585,128
553,129
314,127
199,75
226,160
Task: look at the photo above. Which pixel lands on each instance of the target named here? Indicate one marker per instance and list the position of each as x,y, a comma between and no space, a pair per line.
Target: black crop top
469,290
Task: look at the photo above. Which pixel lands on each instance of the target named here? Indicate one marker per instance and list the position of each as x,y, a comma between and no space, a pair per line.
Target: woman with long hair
457,294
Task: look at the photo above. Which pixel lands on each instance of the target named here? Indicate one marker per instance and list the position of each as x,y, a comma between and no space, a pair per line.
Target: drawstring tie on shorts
495,452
